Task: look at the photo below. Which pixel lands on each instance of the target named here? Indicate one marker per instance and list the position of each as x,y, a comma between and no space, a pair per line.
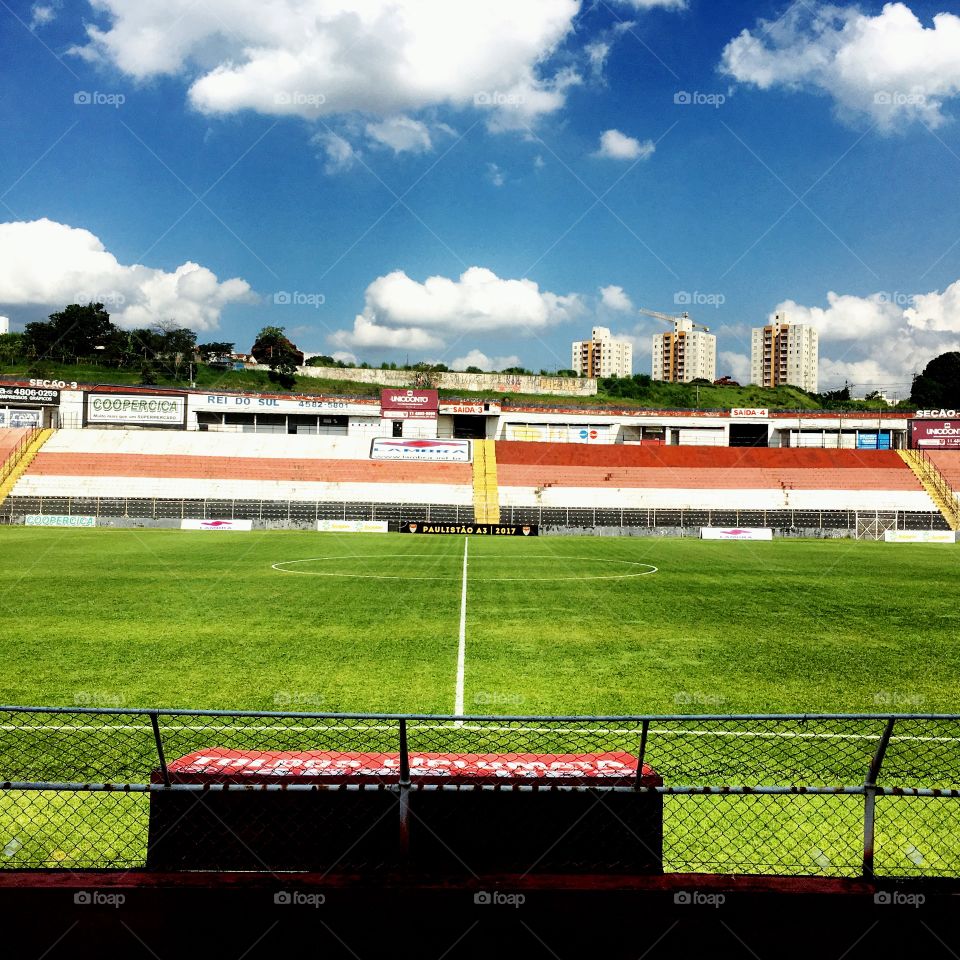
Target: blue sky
201,163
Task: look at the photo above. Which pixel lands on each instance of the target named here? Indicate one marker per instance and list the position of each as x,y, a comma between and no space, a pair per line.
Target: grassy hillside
624,394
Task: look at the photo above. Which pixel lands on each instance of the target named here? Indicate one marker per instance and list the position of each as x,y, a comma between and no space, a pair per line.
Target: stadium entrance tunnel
450,814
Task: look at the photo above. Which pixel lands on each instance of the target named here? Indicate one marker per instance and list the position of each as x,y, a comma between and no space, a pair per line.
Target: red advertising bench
323,811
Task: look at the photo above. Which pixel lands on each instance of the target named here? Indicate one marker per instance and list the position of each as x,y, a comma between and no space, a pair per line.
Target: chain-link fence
305,513
865,795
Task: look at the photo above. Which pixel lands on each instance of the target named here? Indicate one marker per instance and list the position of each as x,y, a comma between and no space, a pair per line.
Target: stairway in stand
17,466
486,495
935,484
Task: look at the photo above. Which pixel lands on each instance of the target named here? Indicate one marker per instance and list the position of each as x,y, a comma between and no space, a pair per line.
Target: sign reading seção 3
165,410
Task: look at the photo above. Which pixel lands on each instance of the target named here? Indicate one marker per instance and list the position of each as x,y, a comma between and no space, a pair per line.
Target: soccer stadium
675,662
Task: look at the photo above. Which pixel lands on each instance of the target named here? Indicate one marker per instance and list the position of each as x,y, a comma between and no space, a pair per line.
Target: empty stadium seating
948,463
9,438
176,465
569,475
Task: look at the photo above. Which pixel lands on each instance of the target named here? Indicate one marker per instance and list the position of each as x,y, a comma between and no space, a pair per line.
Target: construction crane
667,318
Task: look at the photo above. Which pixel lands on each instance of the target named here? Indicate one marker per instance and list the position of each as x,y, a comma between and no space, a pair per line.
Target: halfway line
462,647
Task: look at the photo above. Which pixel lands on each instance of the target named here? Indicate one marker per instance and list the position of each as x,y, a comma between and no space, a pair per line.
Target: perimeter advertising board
352,526
920,536
435,451
216,526
58,520
935,434
736,533
472,529
409,404
168,410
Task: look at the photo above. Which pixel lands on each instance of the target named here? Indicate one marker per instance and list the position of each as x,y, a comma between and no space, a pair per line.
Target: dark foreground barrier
324,811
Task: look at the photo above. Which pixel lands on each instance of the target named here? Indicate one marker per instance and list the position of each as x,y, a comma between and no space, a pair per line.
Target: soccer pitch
405,623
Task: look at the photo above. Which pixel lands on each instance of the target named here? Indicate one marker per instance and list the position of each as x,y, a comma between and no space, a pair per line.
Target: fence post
404,792
164,772
644,730
870,799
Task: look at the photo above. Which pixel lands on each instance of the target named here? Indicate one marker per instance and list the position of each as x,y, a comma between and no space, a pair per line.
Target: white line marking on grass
462,644
320,727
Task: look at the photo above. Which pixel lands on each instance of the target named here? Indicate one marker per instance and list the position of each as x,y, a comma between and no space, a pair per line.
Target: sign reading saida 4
472,529
438,451
409,404
144,408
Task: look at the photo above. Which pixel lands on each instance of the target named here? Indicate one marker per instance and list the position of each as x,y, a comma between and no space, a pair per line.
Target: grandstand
151,474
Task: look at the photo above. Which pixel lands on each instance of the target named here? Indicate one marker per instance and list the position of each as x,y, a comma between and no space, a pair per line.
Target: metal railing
307,512
13,458
939,482
794,795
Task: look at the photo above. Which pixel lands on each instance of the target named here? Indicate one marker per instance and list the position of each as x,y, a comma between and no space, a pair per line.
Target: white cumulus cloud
340,155
401,134
400,312
46,263
321,57
891,67
615,298
615,145
881,339
734,365
477,358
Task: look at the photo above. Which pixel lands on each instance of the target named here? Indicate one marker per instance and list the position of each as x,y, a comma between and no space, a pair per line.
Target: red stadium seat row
247,468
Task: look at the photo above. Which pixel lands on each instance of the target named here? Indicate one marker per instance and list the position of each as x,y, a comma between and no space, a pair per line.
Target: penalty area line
462,643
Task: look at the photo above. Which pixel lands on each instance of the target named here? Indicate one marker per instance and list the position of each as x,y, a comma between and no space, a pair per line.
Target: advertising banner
437,451
472,529
58,520
20,418
352,526
736,533
29,395
170,410
409,404
219,526
920,536
220,765
935,434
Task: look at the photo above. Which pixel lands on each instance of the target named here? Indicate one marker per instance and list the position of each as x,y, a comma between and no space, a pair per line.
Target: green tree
280,354
939,384
12,348
74,332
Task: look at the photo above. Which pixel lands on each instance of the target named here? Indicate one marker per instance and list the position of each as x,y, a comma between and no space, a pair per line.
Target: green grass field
143,618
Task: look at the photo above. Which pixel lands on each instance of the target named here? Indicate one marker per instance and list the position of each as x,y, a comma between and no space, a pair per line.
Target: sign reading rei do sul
167,410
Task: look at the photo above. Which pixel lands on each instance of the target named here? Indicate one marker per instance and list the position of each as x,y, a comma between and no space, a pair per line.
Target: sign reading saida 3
472,529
